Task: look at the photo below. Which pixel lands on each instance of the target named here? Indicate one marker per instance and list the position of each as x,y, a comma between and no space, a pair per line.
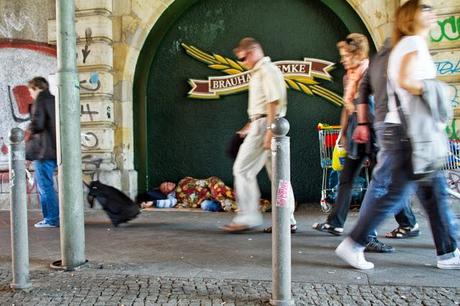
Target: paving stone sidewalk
93,285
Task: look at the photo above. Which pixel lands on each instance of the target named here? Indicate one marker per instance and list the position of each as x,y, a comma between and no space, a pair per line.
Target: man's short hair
38,83
246,44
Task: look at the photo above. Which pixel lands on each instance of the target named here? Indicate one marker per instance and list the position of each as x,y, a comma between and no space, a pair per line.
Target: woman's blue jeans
44,177
351,169
391,184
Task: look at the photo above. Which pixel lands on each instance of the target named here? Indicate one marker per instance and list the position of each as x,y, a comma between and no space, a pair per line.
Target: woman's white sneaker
353,254
450,263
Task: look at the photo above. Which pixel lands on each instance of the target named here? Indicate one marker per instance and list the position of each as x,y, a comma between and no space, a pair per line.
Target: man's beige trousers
252,157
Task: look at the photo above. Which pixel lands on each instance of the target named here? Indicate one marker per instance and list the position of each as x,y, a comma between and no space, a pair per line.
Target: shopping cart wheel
326,207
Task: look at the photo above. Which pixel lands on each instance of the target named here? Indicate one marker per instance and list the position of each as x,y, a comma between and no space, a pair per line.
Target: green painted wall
177,136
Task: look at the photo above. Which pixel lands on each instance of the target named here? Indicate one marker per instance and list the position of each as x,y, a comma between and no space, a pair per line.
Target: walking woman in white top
410,64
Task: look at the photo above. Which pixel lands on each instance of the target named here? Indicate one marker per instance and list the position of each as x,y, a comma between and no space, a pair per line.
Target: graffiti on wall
454,95
447,67
89,140
12,23
452,130
95,111
19,62
19,95
88,40
447,29
31,186
446,33
91,84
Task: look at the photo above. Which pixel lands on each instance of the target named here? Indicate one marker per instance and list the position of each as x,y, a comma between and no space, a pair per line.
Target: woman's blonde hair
405,20
356,44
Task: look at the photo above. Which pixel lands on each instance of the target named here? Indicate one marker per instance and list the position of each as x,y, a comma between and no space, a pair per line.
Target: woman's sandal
327,228
268,230
403,232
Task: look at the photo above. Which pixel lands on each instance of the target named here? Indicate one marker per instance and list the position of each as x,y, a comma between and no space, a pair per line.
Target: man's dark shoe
375,246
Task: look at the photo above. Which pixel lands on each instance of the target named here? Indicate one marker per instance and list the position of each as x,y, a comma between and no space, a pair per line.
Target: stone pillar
95,63
377,16
132,22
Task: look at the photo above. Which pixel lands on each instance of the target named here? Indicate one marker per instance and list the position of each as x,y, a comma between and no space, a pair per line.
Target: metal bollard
281,211
18,211
71,208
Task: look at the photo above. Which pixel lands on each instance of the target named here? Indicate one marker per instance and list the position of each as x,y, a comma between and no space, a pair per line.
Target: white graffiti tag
13,23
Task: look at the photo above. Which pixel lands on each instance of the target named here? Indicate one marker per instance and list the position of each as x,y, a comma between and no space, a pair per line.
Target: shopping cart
328,135
452,163
453,159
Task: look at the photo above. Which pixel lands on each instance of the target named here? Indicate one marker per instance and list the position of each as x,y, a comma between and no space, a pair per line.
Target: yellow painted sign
298,75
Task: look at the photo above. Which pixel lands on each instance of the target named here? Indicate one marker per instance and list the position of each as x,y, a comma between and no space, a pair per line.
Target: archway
177,136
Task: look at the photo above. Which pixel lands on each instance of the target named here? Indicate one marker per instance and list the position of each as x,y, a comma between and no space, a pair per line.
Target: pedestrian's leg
434,198
383,198
40,182
53,203
351,170
407,223
292,205
374,245
250,160
45,184
389,184
406,217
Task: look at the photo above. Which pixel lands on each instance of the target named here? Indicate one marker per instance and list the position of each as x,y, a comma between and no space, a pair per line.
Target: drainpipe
72,225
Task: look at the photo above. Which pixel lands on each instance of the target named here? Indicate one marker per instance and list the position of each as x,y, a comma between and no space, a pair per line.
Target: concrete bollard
18,211
281,211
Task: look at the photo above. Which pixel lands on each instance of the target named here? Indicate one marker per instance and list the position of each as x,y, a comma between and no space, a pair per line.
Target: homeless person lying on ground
190,193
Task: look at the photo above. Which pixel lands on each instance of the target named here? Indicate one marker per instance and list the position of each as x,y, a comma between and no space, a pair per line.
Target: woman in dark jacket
41,148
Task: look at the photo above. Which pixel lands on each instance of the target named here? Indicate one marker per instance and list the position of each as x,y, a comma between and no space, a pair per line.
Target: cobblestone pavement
93,286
